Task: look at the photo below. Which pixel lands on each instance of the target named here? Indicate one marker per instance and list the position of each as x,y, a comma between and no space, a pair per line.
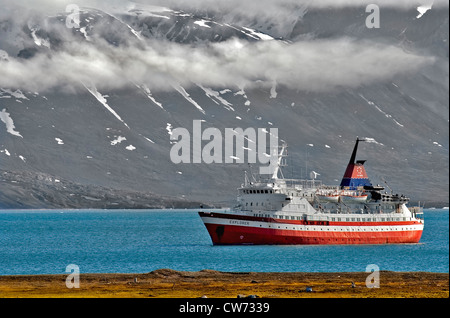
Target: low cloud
314,65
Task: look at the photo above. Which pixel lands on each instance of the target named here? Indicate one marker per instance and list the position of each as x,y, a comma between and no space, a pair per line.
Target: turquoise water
139,241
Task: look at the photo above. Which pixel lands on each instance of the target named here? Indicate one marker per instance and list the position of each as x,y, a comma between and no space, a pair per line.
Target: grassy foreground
166,283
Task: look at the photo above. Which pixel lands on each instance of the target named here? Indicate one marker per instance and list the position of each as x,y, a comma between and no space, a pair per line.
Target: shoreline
168,283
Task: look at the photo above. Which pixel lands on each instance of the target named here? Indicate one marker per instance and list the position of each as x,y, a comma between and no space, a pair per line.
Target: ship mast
277,168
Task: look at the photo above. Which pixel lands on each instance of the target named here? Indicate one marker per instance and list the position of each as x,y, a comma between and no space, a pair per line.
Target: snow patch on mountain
148,139
423,8
39,41
169,128
258,35
185,94
372,141
381,111
148,93
118,140
101,98
143,10
6,118
6,152
273,90
202,23
17,93
216,98
86,36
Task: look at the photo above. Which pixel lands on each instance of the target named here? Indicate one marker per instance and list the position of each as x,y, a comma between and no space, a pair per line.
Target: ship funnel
355,174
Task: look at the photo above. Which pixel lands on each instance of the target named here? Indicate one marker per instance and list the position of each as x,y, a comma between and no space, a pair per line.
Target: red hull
225,234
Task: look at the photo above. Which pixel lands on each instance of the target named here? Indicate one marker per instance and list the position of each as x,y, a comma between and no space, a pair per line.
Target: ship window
262,203
256,203
246,203
251,203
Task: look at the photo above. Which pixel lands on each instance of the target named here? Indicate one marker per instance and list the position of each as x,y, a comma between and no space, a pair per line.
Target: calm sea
139,241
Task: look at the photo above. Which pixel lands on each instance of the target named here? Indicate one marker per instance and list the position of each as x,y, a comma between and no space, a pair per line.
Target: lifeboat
328,197
356,197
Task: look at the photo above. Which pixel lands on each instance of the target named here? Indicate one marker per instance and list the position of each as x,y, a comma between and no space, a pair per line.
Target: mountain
87,111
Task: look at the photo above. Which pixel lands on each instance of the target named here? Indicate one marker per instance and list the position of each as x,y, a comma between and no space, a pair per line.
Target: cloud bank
314,65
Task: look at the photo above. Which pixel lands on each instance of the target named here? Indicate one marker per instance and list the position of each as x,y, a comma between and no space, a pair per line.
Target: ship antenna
387,185
279,162
251,173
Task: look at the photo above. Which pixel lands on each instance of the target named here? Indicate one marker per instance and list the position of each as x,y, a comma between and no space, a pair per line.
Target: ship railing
302,183
329,187
416,211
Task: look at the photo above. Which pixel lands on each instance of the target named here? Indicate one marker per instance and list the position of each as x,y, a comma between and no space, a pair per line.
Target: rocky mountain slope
87,111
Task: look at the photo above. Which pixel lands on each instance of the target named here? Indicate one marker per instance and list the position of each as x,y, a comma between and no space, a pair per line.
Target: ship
276,210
